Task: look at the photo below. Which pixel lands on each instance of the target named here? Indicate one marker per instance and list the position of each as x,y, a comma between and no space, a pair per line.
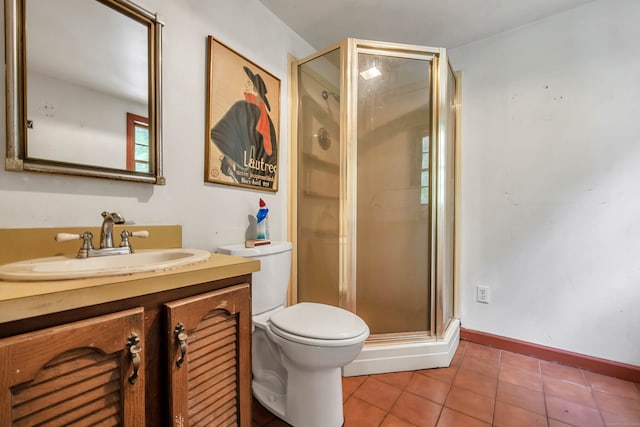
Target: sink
62,267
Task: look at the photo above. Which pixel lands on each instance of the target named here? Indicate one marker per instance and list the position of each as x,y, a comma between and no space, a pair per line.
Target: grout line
462,356
446,397
448,391
453,379
402,390
544,392
359,385
495,396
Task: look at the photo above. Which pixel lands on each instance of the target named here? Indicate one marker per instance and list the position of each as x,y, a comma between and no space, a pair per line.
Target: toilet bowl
297,352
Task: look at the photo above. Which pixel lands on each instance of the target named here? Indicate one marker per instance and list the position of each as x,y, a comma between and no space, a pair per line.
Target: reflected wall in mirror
83,89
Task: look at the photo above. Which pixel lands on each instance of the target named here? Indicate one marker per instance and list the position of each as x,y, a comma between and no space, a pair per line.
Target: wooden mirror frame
16,105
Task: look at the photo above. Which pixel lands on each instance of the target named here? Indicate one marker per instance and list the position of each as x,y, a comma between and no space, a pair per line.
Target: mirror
84,89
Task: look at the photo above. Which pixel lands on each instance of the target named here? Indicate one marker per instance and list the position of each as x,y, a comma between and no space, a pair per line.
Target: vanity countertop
21,300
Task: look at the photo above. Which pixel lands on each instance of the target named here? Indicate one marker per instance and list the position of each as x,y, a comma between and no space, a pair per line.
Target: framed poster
243,119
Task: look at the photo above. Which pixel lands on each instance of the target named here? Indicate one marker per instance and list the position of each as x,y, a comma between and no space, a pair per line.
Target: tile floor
485,387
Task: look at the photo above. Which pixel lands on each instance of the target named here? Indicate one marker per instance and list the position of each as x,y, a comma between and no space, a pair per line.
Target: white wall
65,130
551,181
211,215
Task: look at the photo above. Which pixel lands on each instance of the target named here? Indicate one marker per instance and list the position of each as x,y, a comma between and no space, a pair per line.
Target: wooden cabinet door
74,375
211,384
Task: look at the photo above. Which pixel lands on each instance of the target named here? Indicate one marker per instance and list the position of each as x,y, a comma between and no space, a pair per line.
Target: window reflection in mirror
138,154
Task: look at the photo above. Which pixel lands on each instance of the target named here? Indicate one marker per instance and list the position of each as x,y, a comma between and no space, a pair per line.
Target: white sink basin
62,267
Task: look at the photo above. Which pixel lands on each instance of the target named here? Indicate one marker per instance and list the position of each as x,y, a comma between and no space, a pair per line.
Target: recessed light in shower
370,73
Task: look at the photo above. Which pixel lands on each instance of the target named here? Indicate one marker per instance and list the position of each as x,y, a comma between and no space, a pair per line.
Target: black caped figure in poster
247,138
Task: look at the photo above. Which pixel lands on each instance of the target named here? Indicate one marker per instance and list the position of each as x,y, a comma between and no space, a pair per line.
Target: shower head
325,95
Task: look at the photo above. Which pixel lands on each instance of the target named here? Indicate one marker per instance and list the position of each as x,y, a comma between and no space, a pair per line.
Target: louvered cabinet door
77,374
209,358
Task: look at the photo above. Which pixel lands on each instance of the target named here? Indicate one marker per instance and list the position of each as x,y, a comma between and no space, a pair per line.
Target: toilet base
316,400
274,402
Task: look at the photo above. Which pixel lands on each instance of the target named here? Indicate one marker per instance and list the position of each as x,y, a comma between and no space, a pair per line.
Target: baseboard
377,359
589,363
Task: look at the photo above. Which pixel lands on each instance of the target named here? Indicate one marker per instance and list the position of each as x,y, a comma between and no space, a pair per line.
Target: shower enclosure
373,201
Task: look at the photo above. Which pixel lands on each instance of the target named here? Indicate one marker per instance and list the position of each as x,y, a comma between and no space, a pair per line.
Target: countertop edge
22,300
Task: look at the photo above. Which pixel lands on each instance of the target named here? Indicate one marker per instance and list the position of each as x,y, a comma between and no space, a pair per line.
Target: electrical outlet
482,294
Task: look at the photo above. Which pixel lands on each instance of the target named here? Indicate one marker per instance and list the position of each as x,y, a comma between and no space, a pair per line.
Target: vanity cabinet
84,359
85,370
210,338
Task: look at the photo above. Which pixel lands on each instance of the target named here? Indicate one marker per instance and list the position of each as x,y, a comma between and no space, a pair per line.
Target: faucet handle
86,237
141,233
124,243
65,237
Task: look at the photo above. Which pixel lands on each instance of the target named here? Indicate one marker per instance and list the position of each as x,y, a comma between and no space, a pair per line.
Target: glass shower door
318,207
375,187
392,208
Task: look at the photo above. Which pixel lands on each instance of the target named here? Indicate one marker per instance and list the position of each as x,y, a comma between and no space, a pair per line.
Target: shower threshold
376,358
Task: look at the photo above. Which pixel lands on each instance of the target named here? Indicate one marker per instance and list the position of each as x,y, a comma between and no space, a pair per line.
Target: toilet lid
319,321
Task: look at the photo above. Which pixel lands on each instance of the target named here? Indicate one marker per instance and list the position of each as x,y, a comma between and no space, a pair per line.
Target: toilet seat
319,342
319,325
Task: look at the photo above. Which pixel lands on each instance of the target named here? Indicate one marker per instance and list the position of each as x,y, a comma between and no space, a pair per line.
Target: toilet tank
269,285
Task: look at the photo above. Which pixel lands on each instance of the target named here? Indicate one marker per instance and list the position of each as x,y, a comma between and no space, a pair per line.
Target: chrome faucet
106,238
106,232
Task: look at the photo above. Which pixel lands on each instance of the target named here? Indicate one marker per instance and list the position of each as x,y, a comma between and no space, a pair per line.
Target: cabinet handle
133,344
181,336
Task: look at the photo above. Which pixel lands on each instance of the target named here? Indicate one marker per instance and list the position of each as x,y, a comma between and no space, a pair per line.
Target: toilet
297,352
